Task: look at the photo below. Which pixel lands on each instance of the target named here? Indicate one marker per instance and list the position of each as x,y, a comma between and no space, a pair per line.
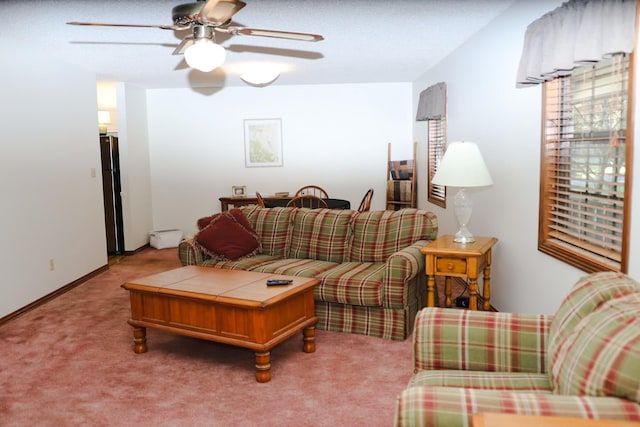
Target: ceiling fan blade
184,44
218,12
273,33
102,24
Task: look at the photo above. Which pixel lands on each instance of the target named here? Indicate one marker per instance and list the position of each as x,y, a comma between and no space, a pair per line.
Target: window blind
584,168
436,141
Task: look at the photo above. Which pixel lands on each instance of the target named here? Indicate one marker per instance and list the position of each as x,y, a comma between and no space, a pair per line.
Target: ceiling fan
204,18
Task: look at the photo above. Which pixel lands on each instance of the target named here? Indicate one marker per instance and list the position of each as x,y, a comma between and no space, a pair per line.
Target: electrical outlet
462,302
52,265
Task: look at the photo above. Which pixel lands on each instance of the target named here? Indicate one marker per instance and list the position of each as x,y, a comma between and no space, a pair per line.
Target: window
432,108
585,178
436,140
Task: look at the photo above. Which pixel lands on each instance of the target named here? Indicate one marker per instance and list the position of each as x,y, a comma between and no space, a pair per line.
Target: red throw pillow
237,214
242,220
203,222
227,239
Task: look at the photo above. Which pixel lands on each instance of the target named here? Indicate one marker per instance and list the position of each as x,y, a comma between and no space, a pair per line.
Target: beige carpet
71,362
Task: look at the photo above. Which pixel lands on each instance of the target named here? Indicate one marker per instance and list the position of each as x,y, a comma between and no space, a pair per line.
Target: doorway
111,188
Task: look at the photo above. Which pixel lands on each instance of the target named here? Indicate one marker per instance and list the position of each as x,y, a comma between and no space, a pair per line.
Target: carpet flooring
70,362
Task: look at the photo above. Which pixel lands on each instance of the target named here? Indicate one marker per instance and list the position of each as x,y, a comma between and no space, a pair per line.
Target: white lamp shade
462,166
205,55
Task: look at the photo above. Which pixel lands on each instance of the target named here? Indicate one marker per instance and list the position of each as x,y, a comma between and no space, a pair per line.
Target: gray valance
578,32
432,103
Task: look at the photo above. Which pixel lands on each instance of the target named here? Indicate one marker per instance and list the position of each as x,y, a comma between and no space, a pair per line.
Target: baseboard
135,251
52,295
127,253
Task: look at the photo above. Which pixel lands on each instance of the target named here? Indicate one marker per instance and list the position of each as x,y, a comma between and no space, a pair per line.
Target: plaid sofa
369,265
584,361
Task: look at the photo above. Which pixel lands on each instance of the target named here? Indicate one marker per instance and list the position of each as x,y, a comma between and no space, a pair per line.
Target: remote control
278,282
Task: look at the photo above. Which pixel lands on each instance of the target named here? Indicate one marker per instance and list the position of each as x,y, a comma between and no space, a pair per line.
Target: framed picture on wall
262,142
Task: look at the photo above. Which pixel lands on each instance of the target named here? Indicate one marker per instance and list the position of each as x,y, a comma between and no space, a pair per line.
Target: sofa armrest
190,253
401,267
446,338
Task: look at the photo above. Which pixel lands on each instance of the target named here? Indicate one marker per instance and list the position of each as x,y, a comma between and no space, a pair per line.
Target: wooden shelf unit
394,202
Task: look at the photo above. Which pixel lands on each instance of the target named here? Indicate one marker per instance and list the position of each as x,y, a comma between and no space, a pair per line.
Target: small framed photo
239,191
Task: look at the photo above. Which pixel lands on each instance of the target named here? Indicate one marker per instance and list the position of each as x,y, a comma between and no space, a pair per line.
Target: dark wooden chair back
365,204
313,190
307,201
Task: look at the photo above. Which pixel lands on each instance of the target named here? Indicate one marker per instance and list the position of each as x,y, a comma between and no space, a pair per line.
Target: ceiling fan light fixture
261,76
205,55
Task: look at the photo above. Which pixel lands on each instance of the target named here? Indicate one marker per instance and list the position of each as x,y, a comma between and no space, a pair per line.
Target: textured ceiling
365,41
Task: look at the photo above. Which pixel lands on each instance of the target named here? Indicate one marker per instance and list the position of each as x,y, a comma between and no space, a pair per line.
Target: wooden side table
235,202
444,257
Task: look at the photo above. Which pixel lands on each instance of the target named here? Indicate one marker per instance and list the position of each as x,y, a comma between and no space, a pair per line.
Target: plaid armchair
583,362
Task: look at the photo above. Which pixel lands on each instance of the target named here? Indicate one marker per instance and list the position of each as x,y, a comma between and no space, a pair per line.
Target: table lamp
104,118
462,166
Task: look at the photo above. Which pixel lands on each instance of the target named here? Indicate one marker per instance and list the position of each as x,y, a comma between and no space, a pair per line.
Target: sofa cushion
246,263
321,234
601,357
226,238
378,234
272,227
295,267
356,283
525,381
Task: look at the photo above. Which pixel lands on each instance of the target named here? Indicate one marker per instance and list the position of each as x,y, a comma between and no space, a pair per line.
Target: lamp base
463,208
464,236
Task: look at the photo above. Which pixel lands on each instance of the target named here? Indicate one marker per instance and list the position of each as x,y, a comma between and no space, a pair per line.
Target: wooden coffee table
228,306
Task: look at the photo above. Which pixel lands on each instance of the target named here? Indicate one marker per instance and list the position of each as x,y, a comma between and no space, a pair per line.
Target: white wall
334,136
484,106
51,204
134,165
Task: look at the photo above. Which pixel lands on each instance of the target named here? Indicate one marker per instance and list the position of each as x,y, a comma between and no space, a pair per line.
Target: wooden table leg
309,339
486,289
447,291
263,366
431,283
473,293
139,340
